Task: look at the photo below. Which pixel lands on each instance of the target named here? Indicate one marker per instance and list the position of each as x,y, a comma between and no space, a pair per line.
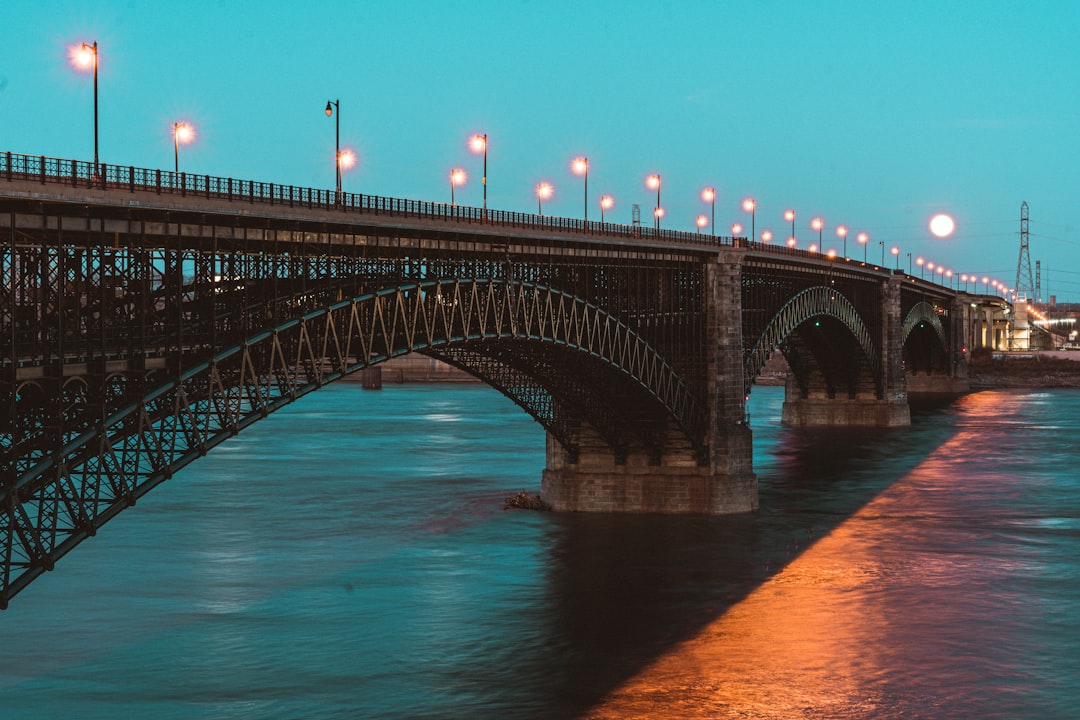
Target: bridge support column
889,409
682,482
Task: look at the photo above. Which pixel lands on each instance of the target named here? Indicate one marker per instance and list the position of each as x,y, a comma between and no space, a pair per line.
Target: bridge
147,316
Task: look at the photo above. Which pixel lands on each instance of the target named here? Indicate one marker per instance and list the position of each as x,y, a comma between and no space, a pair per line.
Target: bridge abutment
680,481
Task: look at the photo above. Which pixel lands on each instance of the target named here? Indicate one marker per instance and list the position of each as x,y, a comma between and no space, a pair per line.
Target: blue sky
868,114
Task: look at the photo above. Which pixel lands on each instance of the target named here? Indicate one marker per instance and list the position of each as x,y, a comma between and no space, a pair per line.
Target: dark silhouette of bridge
147,316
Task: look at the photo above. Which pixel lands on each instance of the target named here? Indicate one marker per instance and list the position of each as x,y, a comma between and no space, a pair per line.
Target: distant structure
1025,286
636,214
1038,281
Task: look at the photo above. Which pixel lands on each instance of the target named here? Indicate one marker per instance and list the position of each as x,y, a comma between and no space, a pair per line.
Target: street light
702,221
84,56
841,231
333,108
736,228
581,167
543,190
882,244
182,132
816,224
653,183
766,236
863,239
896,257
789,215
457,177
909,263
920,262
659,213
479,143
606,203
750,206
709,196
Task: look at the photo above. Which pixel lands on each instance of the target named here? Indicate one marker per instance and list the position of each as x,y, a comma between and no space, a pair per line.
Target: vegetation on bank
987,369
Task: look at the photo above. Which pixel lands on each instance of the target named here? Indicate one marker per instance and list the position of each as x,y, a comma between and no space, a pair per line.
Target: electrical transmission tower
1025,286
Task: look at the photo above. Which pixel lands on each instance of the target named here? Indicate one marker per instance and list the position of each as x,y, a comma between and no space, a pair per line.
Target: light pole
736,228
543,190
606,203
653,183
863,239
702,221
817,224
182,132
842,232
457,177
789,215
882,244
334,108
909,263
750,206
896,257
89,54
479,144
920,261
766,236
709,196
581,167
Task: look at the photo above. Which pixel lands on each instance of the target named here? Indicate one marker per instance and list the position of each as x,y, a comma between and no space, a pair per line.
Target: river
349,557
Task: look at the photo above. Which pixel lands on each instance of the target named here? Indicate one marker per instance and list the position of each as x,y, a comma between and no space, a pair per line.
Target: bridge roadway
147,316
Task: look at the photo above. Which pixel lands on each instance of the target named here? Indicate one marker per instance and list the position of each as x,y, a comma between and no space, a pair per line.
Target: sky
871,115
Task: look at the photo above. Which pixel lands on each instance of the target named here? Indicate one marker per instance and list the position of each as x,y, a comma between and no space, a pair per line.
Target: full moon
942,225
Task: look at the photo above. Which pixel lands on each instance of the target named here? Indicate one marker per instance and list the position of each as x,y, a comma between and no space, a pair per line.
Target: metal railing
80,173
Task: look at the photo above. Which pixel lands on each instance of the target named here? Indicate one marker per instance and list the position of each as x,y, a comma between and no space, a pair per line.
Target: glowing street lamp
750,205
791,241
896,257
766,236
581,167
457,177
863,239
479,143
606,203
182,133
543,191
789,215
920,262
653,183
817,224
841,232
333,108
702,221
85,56
659,213
709,196
736,228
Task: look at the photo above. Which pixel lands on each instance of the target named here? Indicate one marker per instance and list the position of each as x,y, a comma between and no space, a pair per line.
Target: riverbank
1036,369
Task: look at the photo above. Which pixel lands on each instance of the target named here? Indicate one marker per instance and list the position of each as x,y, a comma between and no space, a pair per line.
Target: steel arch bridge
148,316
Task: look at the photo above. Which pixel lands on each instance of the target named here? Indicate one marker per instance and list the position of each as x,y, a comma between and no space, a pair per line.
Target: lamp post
736,228
817,224
701,221
606,203
882,244
333,107
457,177
750,206
766,236
85,55
896,257
841,231
182,132
581,167
863,239
653,183
920,261
479,143
789,215
909,263
709,196
543,190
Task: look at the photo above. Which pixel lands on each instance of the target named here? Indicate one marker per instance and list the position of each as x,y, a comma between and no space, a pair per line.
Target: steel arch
919,313
62,499
810,303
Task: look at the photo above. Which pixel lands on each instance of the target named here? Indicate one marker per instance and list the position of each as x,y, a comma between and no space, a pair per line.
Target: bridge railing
81,173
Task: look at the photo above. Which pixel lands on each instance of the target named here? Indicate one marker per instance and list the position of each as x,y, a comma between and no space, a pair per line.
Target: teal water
349,557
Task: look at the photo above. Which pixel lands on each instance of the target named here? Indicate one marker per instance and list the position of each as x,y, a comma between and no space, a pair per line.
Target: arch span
151,434
923,312
816,301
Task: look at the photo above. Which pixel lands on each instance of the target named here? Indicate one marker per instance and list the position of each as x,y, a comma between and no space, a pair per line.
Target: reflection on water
921,604
349,557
